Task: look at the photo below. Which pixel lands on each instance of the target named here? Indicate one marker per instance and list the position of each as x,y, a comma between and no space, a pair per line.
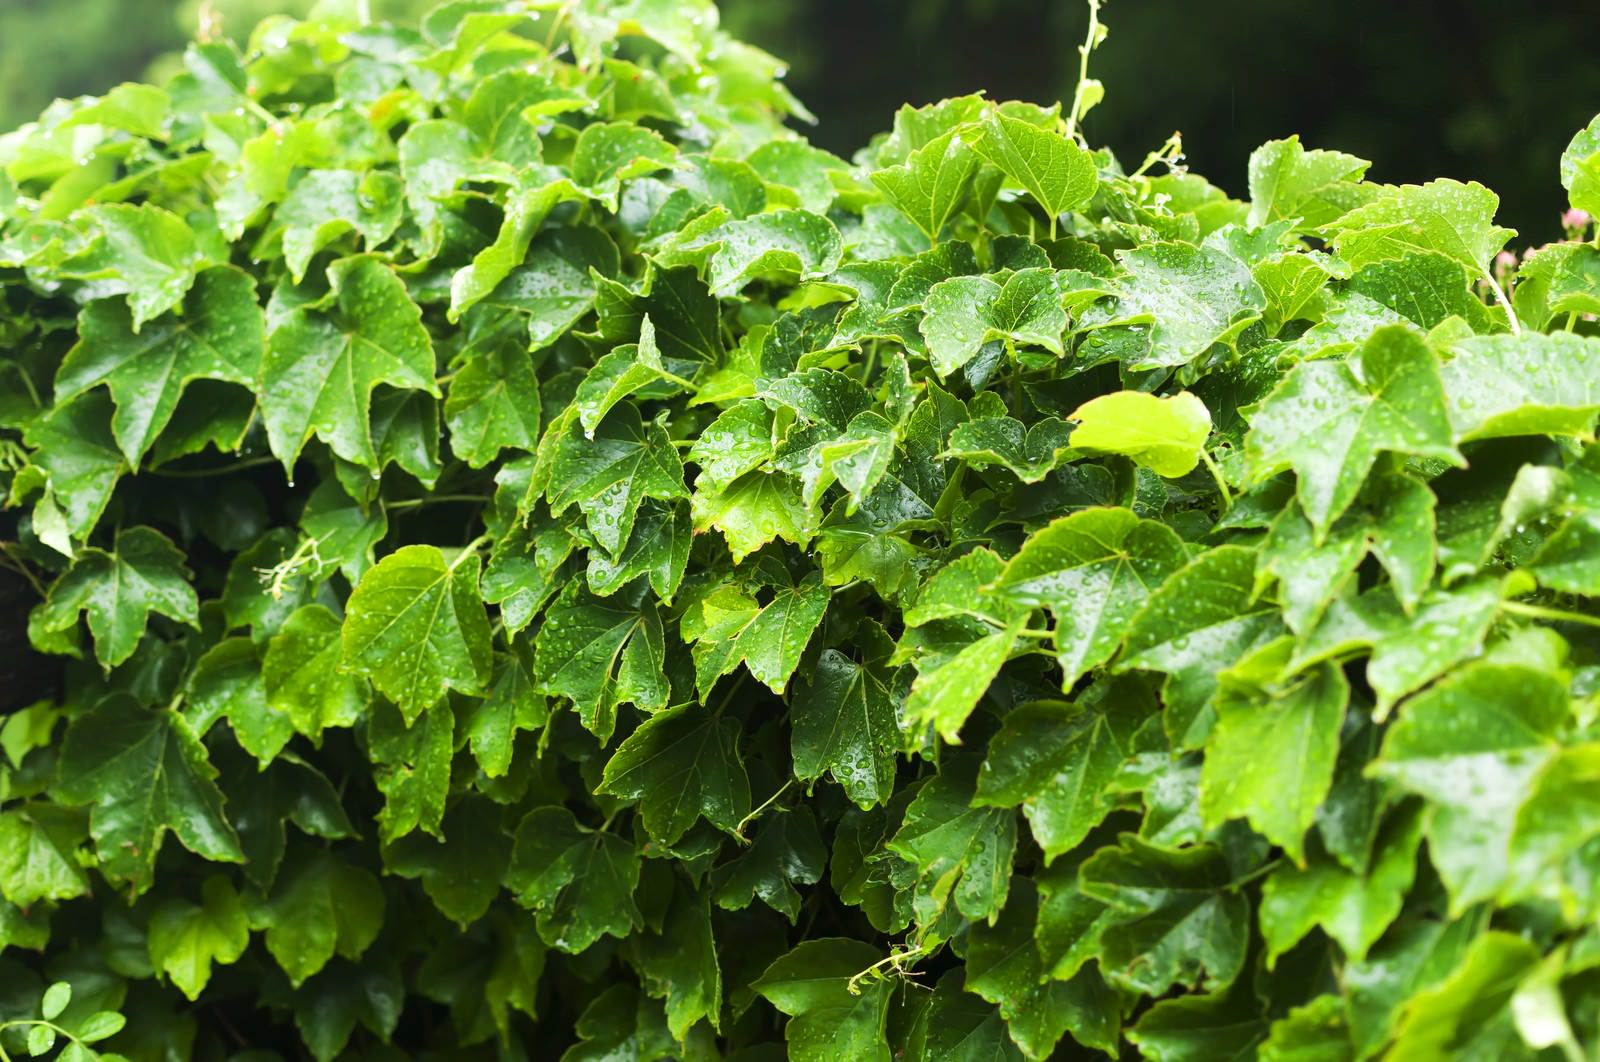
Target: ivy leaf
39,854
493,405
301,677
186,938
1004,968
945,692
845,723
1192,298
611,472
1329,424
680,963
601,653
1522,385
929,185
142,251
1058,173
1092,570
1203,619
552,854
787,850
1056,760
827,1019
321,366
755,509
768,639
1354,909
226,683
1441,217
1029,453
417,628
323,205
144,772
1469,1011
461,873
513,704
217,336
794,244
1166,435
962,853
681,764
1473,746
610,153
411,766
959,1025
320,907
1271,757
1315,187
74,445
143,573
963,313
1177,925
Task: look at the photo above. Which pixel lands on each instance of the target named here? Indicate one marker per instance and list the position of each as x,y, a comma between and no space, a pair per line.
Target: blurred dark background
1486,90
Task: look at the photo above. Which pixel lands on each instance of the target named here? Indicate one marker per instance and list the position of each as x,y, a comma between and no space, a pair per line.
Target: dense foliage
576,568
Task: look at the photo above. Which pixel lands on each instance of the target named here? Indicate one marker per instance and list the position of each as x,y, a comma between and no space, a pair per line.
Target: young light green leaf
1166,435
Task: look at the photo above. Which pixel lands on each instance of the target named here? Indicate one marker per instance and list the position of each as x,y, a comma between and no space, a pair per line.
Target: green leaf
1203,619
1003,967
144,773
513,704
963,313
768,638
142,251
845,724
143,573
416,627
945,693
1354,909
227,683
1271,757
218,335
323,906
1441,217
411,766
1468,1013
552,855
1166,435
186,938
681,764
787,850
1315,187
610,153
680,963
300,673
1329,424
929,184
323,205
600,653
795,245
40,854
1056,760
321,364
1029,453
461,874
493,405
1473,746
1177,924
1191,297
1522,385
755,509
55,1000
962,854
1058,173
1092,570
609,473
828,1020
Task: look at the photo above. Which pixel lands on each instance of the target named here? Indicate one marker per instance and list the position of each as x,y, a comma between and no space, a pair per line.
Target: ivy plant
534,559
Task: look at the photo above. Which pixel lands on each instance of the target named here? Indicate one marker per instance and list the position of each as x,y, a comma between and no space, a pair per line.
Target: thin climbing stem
1079,94
436,499
1505,302
220,470
1216,474
1554,615
738,831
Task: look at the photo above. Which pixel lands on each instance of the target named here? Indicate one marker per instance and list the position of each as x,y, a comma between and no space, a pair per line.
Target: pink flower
1576,219
1505,260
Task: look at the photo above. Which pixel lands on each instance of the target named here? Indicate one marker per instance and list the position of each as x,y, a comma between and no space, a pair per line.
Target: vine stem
200,473
434,499
738,831
1556,615
1216,474
1089,41
896,960
21,1023
1505,302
